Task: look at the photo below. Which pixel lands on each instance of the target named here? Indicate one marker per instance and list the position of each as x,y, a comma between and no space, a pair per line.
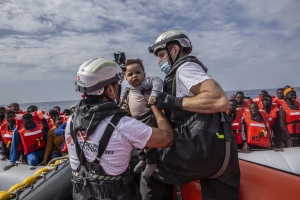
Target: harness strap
106,135
77,147
225,162
227,154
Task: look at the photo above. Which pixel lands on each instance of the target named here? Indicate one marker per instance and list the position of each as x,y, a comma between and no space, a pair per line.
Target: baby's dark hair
135,61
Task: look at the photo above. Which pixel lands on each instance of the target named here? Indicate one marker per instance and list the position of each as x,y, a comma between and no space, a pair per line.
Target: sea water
46,106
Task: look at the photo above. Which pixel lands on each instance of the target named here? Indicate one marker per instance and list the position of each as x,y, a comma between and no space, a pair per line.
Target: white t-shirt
129,133
188,75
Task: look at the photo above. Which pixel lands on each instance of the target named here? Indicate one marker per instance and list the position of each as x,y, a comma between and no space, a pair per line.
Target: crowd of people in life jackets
32,136
266,122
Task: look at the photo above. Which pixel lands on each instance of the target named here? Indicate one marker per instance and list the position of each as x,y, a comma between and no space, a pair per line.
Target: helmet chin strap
110,99
170,57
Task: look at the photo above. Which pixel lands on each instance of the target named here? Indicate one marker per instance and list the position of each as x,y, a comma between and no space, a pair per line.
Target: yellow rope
19,187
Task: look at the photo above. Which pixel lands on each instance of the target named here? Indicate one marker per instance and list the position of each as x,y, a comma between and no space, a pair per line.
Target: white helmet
169,36
95,74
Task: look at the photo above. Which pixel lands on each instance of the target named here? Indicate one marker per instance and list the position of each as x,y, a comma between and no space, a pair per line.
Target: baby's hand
121,101
152,100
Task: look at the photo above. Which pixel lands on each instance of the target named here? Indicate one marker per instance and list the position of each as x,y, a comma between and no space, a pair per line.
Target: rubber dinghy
270,174
39,182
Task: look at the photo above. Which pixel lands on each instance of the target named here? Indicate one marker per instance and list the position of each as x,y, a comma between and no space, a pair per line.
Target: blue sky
244,44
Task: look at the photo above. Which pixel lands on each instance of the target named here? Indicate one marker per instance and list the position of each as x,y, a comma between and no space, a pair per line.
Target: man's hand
246,148
152,100
289,143
165,101
44,162
10,166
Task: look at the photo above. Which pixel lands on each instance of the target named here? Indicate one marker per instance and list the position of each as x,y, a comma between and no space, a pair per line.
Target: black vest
178,117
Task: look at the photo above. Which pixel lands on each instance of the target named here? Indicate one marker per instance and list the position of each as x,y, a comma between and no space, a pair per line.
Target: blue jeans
35,157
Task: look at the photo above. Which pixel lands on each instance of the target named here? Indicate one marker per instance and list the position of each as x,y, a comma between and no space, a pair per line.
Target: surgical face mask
164,66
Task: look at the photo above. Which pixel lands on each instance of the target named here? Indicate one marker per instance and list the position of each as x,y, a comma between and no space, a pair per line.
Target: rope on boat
16,189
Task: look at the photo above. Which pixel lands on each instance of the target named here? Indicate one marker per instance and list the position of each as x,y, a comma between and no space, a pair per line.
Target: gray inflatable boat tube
287,161
54,184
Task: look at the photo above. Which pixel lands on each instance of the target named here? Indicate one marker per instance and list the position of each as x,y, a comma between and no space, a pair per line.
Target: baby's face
134,74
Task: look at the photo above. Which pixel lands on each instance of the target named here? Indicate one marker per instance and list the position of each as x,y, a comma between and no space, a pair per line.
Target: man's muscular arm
209,98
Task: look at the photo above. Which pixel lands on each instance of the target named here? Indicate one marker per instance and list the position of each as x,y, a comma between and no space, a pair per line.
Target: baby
139,93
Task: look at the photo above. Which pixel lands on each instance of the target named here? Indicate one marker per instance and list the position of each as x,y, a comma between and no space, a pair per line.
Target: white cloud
237,40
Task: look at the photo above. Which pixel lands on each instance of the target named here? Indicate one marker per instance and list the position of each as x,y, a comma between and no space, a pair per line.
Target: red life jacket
32,139
236,126
292,118
257,133
7,135
50,122
272,116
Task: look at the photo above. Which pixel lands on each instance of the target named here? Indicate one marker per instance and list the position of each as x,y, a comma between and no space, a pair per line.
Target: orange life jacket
236,126
7,135
277,101
247,103
65,118
292,118
272,116
32,139
257,100
257,133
